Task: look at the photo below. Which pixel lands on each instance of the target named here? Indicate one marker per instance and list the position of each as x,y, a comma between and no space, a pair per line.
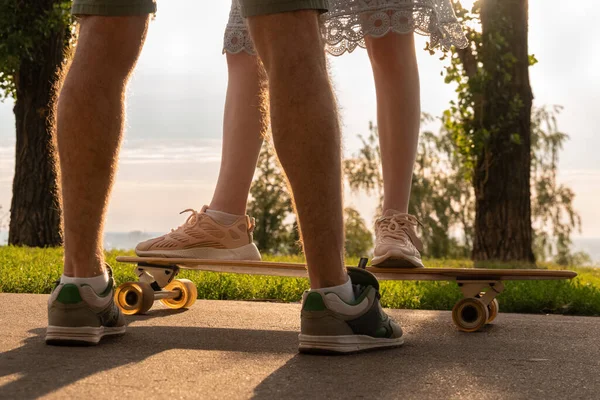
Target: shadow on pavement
524,360
40,369
390,373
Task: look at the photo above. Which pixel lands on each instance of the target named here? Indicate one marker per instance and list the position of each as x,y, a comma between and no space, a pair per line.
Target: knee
110,45
392,53
288,41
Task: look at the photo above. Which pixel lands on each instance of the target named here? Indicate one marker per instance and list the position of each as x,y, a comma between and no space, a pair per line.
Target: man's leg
90,120
306,134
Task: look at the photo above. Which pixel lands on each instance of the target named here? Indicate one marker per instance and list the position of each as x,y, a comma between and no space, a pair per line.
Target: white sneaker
396,242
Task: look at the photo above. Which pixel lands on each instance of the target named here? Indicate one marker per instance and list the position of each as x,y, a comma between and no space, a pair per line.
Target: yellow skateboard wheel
187,297
493,309
134,297
470,315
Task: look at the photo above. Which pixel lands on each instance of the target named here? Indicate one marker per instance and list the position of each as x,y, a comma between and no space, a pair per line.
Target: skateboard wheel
493,309
134,297
470,314
187,297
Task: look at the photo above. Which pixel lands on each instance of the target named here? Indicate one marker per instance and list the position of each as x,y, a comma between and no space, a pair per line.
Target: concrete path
231,350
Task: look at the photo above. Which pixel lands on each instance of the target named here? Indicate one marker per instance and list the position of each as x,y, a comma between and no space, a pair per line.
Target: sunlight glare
467,4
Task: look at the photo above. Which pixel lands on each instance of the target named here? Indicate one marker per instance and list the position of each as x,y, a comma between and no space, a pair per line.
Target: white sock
98,283
221,217
344,291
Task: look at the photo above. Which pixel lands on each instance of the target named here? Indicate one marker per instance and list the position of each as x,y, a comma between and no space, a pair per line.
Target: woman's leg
227,231
396,74
394,64
243,125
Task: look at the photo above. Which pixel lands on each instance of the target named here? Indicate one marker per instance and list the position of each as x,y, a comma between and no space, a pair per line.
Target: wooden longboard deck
299,270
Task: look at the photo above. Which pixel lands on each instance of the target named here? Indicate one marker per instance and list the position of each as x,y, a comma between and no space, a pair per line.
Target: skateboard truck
471,288
479,305
155,283
157,277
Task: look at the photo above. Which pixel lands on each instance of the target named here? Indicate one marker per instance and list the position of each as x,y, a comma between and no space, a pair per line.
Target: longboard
478,307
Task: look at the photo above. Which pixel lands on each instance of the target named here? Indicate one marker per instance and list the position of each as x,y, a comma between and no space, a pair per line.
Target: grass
29,270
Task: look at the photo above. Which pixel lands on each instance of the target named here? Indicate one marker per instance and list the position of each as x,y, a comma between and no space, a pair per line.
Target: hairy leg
244,123
396,74
90,119
306,134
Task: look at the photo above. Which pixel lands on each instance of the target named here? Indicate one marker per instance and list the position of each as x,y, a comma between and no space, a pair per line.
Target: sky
171,153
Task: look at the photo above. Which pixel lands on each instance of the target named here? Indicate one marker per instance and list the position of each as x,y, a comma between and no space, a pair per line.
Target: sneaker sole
396,259
248,252
82,336
344,344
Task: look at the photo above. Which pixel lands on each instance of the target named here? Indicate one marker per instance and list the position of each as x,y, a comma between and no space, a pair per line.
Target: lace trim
347,32
350,21
237,40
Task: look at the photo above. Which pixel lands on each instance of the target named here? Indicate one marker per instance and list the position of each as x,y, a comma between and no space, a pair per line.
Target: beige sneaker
202,237
396,243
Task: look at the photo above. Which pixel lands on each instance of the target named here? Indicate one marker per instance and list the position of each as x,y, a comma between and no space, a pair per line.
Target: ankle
344,291
97,283
228,208
78,268
397,208
223,218
327,281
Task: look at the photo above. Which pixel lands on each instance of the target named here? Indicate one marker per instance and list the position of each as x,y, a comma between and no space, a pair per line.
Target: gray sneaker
330,325
79,316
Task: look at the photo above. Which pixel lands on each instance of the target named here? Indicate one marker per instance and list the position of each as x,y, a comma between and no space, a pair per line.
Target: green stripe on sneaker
314,302
69,294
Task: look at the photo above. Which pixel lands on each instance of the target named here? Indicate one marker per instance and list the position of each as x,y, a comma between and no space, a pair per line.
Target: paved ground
227,349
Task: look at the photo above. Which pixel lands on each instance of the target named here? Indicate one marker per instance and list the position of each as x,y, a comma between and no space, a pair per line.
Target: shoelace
399,225
194,217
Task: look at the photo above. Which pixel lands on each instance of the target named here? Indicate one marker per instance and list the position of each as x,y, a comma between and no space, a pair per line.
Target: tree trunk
35,213
503,229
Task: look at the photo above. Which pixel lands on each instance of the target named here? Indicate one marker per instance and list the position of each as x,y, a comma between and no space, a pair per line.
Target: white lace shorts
347,23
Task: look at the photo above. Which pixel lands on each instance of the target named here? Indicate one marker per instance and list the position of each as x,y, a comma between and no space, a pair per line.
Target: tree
34,36
359,240
271,204
491,125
